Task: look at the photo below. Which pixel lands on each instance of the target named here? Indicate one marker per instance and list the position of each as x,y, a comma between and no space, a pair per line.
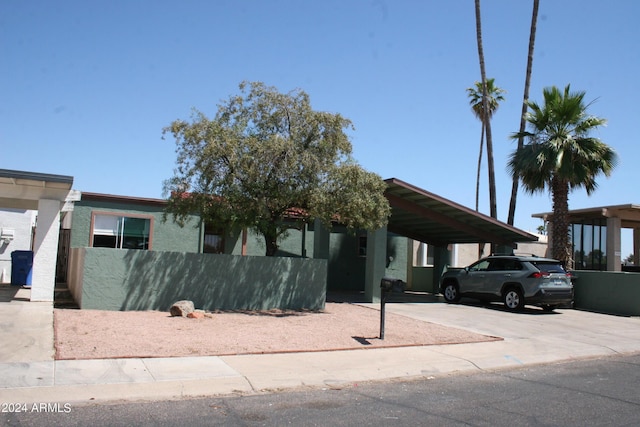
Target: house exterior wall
422,280
107,279
21,222
166,236
345,270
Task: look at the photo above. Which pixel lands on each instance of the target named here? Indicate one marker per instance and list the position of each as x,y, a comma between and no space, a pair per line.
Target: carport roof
23,190
429,218
629,214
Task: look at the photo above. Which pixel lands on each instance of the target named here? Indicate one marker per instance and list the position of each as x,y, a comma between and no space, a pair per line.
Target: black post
382,301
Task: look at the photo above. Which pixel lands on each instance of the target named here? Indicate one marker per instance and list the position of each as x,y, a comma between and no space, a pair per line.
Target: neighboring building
596,236
16,234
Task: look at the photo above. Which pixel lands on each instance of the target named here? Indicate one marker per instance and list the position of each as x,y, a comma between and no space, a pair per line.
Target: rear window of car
549,267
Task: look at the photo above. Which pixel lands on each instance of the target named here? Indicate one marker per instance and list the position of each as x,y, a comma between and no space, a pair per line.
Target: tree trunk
479,166
560,229
486,121
272,245
527,82
480,245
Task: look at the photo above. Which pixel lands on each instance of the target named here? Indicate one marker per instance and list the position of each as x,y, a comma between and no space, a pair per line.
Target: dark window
589,244
549,267
480,266
120,232
362,245
213,240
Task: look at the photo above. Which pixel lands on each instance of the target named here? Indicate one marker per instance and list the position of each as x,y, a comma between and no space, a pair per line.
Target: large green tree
494,97
559,156
268,158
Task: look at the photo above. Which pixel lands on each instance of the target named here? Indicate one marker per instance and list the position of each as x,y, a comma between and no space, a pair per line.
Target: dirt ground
92,334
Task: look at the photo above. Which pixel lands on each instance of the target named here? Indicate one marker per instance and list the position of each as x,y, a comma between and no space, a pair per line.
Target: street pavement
30,374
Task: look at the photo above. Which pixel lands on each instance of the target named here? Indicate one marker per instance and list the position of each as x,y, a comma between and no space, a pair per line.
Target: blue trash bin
21,266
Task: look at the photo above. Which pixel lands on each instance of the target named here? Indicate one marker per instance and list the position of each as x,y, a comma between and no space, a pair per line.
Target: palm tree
494,97
492,175
561,156
527,83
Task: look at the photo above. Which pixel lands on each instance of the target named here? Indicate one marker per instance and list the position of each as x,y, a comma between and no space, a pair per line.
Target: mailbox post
388,285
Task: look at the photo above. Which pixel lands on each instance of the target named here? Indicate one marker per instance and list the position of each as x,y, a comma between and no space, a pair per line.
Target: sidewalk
29,374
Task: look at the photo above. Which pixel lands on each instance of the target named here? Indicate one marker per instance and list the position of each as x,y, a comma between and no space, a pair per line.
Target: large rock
182,308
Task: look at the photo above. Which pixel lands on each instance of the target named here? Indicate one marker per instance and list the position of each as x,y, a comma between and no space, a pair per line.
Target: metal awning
429,218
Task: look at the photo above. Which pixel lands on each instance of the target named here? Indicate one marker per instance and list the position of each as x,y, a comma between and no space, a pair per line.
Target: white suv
515,280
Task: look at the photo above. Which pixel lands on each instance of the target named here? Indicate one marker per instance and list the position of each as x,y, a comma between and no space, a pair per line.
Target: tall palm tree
561,156
494,97
493,207
527,83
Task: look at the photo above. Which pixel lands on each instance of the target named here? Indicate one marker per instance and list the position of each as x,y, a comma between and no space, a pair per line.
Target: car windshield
549,267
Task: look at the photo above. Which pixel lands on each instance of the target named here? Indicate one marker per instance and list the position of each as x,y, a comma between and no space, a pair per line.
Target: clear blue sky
87,86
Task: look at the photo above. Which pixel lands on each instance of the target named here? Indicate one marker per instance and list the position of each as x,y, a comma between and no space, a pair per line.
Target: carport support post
614,248
441,260
636,246
376,264
45,250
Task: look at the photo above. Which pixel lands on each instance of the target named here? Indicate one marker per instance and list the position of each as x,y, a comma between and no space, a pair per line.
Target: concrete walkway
29,373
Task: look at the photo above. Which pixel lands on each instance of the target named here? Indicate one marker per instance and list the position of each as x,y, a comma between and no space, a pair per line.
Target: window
362,245
424,255
589,244
213,240
120,232
480,266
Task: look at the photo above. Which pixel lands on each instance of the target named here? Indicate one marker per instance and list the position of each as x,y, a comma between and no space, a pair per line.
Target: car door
494,277
475,277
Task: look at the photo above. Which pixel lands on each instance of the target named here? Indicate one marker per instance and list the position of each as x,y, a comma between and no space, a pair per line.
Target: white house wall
21,222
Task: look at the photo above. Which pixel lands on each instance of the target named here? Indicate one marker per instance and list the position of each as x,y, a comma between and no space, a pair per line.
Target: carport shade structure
45,193
429,218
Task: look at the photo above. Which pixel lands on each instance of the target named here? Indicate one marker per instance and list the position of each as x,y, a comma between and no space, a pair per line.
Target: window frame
119,214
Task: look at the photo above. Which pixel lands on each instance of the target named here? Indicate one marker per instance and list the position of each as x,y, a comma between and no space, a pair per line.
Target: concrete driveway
532,335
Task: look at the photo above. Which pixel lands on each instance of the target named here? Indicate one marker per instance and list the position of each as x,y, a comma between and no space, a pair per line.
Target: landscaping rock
182,308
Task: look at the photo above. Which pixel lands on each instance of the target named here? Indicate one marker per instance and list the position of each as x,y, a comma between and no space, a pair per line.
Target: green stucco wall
608,292
150,280
167,236
397,257
347,269
422,280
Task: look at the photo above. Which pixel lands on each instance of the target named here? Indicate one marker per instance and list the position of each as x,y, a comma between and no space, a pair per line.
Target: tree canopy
560,156
268,158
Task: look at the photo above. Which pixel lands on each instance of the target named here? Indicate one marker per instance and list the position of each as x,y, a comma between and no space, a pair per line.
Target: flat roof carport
45,193
429,218
23,190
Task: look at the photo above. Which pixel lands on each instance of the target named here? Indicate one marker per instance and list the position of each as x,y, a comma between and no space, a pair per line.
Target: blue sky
87,86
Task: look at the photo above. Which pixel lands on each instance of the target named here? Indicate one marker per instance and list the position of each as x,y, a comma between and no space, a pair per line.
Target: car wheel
513,299
451,292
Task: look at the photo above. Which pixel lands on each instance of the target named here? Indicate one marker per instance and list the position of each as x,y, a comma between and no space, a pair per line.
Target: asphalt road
595,392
